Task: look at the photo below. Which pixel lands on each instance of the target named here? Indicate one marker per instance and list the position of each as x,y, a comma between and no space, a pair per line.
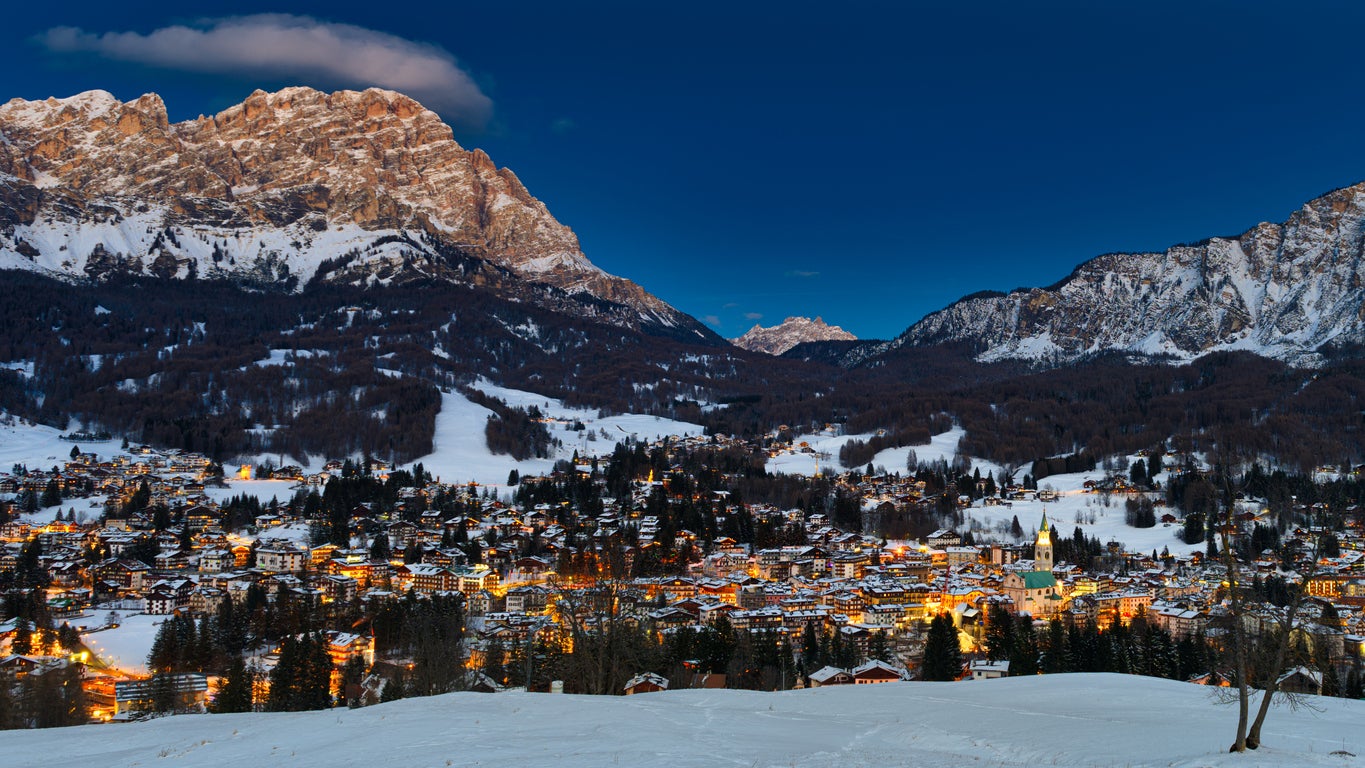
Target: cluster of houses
857,585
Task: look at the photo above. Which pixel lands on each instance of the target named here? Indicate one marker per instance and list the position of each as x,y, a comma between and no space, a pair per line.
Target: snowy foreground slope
1062,720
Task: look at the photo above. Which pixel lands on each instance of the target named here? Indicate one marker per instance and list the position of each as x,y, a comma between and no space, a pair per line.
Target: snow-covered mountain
357,187
1057,720
1289,291
792,331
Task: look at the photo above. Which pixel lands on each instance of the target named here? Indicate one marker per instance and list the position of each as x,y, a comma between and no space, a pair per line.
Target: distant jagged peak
789,333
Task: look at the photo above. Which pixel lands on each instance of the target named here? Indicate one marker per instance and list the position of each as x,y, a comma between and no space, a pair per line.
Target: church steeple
1042,547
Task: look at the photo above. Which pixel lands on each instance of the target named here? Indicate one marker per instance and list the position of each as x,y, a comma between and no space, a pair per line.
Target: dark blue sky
865,161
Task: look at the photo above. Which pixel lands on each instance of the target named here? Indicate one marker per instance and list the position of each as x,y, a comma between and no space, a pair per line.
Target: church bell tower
1042,548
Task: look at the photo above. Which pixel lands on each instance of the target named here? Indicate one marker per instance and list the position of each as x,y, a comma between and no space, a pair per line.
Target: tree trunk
1238,639
1282,641
1285,638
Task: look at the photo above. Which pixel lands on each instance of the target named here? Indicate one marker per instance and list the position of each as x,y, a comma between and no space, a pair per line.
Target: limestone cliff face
1289,291
284,182
789,333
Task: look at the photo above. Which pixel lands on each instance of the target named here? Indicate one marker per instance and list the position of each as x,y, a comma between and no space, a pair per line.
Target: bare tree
1263,656
607,644
1279,628
1238,628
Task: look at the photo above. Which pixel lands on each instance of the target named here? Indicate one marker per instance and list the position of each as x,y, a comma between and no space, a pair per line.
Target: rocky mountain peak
790,332
297,165
1291,291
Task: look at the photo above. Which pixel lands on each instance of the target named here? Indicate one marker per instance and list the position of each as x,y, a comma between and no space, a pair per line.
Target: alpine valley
154,271
468,460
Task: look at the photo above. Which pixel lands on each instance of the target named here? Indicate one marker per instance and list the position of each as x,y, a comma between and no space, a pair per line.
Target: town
144,582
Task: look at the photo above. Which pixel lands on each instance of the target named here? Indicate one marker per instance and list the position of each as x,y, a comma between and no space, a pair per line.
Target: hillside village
110,540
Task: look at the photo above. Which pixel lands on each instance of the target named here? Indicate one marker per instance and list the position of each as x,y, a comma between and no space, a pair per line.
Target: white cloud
711,320
283,45
753,315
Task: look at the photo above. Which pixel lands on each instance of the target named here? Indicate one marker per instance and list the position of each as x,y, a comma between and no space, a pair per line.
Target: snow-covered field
461,453
125,646
1059,720
1073,506
942,446
1099,515
41,447
819,455
823,454
265,490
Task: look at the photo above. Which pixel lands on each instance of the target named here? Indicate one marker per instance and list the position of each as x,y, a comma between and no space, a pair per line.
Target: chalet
402,534
197,518
343,646
1122,606
67,574
645,682
241,555
679,588
446,558
475,578
216,561
17,667
479,603
1181,622
127,574
338,589
943,538
280,558
760,619
985,669
424,578
527,599
830,676
875,671
1301,680
169,596
205,599
669,617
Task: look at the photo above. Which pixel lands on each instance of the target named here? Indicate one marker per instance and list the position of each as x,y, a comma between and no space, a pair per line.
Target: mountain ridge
1293,291
269,189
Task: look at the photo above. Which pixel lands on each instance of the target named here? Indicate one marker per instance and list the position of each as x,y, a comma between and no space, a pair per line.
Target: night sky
868,162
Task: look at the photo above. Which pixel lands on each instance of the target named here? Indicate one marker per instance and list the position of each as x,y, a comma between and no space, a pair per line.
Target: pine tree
23,638
493,661
52,495
352,677
54,698
877,647
942,654
235,693
810,649
379,550
1055,656
1024,654
9,708
394,689
164,699
999,634
1355,684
